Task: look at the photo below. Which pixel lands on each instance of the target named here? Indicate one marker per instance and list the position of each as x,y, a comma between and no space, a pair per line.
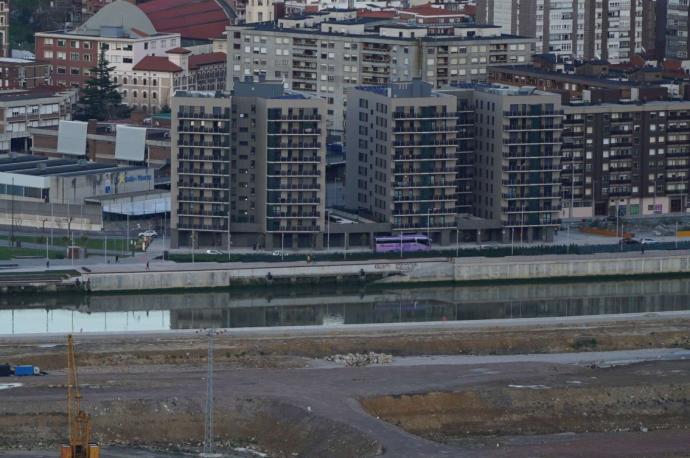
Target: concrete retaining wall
558,267
412,271
267,274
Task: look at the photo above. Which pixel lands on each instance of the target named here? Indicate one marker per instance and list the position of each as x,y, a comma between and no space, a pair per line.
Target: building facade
317,56
583,29
22,110
676,26
631,157
120,29
5,28
516,17
401,160
517,166
24,74
248,168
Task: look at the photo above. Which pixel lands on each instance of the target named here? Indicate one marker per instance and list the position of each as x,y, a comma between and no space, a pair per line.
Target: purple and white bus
406,243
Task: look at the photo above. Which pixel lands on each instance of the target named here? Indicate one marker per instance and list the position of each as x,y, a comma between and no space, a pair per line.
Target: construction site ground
587,386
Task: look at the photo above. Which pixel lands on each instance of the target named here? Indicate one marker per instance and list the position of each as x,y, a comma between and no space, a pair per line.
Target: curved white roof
118,14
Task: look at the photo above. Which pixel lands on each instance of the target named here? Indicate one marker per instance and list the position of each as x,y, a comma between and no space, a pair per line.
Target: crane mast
79,422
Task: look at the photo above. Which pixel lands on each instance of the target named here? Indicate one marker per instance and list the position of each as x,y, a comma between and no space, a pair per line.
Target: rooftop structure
323,53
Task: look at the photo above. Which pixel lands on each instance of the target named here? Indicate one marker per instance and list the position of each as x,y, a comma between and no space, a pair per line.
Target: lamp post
44,235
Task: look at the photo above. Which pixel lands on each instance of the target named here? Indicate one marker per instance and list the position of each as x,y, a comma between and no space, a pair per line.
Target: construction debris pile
361,359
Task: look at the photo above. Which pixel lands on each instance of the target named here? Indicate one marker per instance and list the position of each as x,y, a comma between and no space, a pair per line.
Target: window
74,56
74,71
47,41
135,81
47,54
86,45
61,71
87,57
124,80
154,82
154,95
61,43
74,44
144,94
134,94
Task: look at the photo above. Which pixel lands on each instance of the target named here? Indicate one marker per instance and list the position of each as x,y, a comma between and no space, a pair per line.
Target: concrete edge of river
169,276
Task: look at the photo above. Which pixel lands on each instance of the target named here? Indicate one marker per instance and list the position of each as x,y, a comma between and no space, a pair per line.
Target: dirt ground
273,396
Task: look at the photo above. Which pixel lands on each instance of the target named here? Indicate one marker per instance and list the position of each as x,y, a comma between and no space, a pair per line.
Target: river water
335,306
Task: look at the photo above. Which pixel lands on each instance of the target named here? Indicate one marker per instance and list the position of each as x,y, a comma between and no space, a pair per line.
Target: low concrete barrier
404,271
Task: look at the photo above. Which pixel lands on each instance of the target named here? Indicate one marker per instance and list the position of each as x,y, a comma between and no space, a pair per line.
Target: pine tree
100,99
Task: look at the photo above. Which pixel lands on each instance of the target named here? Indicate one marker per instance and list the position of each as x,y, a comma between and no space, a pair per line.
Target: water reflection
335,306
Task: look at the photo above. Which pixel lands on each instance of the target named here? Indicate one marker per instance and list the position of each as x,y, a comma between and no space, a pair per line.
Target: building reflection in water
329,306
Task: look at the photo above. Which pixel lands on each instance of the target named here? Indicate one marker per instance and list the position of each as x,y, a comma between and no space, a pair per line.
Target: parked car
630,241
647,241
214,252
149,233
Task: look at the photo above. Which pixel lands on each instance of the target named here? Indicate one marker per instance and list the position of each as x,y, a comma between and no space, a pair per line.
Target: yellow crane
79,421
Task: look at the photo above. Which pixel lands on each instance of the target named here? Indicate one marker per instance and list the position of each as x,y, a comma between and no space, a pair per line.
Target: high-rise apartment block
629,157
677,20
517,160
5,28
419,158
248,168
325,53
402,153
516,17
582,29
590,29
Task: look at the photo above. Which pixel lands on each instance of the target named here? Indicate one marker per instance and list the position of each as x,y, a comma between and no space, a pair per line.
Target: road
333,393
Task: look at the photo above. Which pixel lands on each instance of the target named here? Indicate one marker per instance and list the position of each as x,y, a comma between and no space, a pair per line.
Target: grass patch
7,253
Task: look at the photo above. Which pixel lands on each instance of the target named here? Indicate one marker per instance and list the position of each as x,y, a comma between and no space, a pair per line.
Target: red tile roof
178,51
196,19
197,60
156,64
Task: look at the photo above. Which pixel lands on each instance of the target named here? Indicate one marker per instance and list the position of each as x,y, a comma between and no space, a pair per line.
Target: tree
100,99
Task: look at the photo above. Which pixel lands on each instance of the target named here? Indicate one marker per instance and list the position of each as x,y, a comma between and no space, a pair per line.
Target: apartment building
582,29
23,73
676,22
326,52
628,156
120,29
590,29
5,28
248,168
402,155
516,17
517,161
21,110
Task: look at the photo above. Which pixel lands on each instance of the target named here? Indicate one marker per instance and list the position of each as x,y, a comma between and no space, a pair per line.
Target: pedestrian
47,264
147,265
117,259
642,247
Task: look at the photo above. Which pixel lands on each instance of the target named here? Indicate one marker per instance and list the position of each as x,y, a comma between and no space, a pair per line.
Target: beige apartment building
325,53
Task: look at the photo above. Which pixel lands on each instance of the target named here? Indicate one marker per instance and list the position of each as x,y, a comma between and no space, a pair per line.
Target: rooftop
271,27
41,166
157,64
118,18
37,93
194,19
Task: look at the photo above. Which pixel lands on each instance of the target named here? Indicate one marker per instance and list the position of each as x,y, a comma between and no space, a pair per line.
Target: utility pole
208,421
12,217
